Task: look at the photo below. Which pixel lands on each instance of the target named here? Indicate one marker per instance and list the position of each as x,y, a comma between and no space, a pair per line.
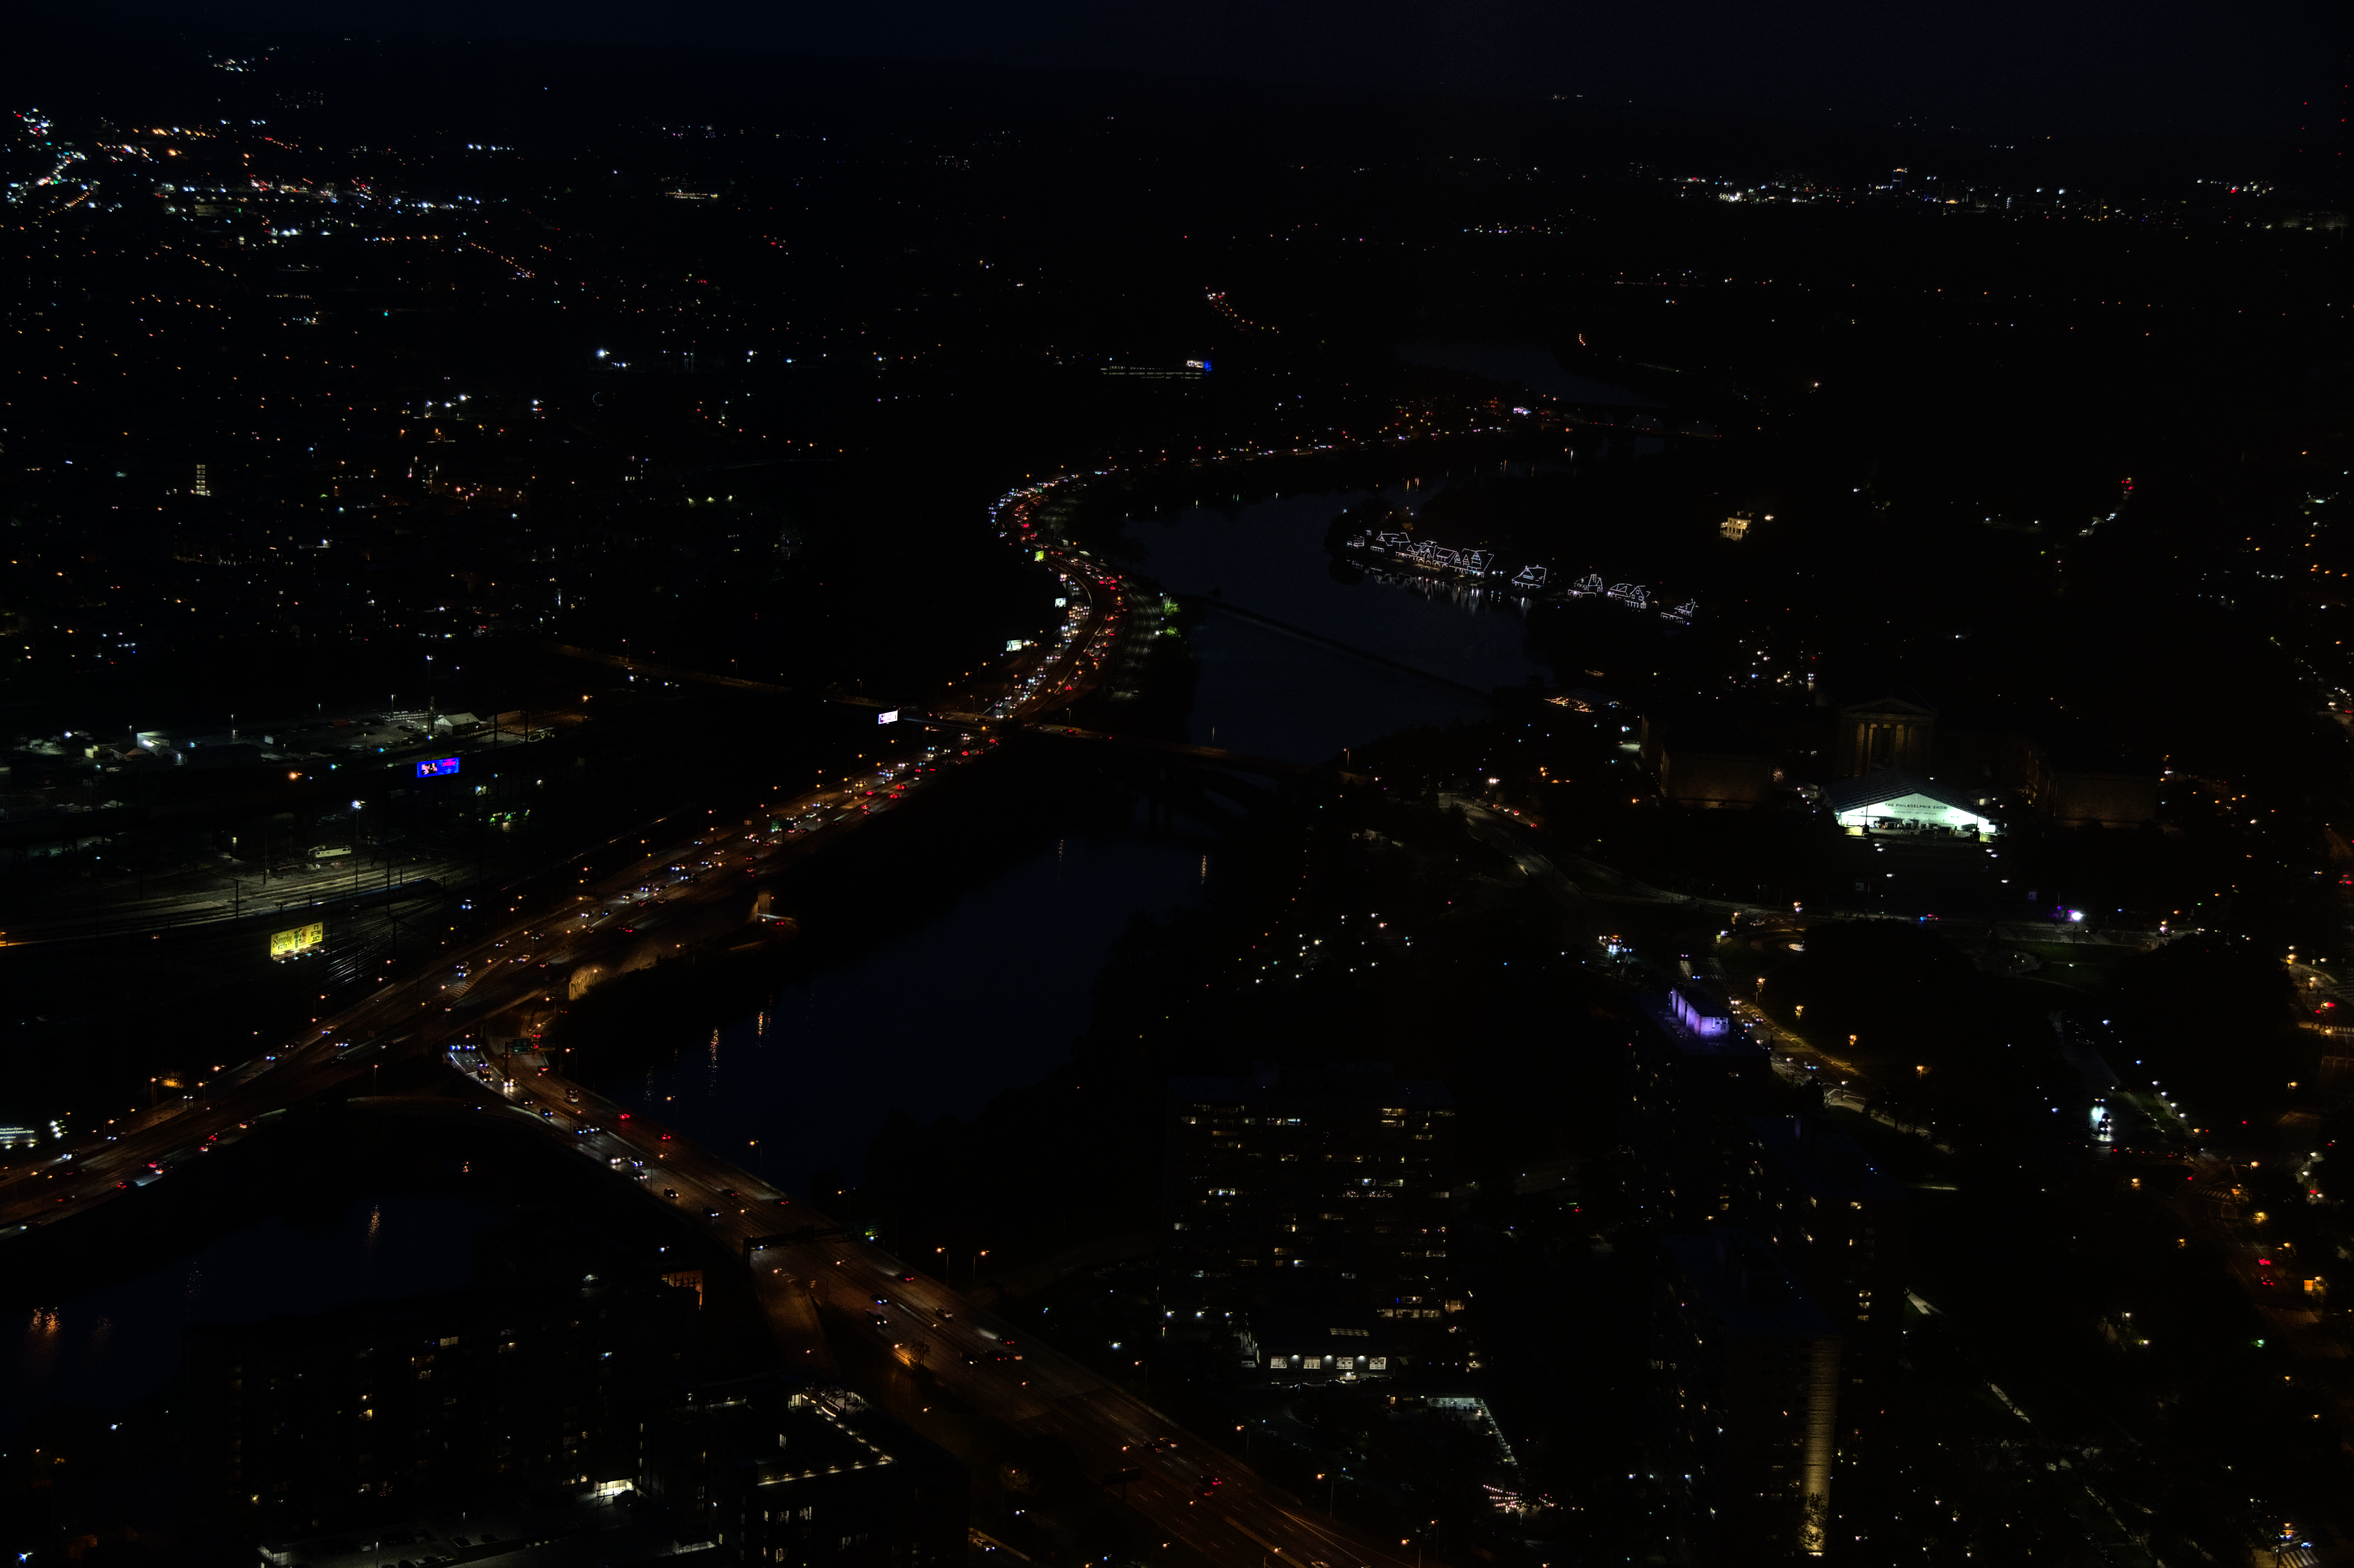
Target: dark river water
1263,692
812,1076
929,1022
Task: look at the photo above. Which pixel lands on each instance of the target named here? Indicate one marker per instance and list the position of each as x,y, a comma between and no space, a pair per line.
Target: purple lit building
1692,1077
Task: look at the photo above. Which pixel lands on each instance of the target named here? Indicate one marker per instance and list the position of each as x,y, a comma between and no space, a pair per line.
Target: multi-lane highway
806,1271
689,868
816,1280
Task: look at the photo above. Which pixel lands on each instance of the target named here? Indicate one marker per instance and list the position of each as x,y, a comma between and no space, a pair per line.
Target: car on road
672,1193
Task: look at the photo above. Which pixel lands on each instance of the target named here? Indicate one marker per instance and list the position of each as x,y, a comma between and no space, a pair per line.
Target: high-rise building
1693,1078
1331,1182
1841,1224
778,1473
1744,1417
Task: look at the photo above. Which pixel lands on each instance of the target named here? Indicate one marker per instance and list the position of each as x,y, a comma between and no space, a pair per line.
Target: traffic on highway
805,1267
810,1273
685,864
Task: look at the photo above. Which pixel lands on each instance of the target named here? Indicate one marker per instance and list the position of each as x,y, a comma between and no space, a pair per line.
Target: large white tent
1891,799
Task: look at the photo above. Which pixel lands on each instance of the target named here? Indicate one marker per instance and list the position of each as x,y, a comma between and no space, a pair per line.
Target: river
933,1020
1262,692
812,1076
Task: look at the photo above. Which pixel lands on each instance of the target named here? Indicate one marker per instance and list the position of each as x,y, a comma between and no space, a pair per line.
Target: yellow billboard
300,940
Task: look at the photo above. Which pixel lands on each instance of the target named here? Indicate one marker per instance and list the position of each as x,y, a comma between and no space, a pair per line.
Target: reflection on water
121,1341
934,1020
1261,691
1463,596
989,994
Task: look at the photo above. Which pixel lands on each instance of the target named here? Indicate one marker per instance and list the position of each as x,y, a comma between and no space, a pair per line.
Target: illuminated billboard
888,716
434,767
300,940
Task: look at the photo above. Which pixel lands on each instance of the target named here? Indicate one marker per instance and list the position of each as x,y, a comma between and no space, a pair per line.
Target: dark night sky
2230,68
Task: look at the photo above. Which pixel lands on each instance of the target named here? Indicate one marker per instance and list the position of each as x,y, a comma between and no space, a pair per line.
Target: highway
691,867
813,1279
1049,675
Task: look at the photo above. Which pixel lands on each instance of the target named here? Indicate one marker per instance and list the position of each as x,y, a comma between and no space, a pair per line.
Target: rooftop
1893,784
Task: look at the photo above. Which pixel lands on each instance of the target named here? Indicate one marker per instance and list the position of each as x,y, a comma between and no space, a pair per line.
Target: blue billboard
436,767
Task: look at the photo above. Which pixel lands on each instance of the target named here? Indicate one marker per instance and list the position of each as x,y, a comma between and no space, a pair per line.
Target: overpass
818,1283
811,1278
834,1299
